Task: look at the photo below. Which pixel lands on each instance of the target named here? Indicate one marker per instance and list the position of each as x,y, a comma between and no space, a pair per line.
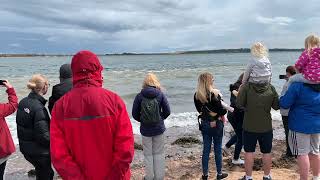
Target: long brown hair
205,87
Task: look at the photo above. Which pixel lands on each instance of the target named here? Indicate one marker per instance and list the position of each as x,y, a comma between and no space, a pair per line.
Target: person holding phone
290,71
6,143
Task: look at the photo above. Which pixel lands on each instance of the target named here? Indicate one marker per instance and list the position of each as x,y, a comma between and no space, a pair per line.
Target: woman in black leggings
236,120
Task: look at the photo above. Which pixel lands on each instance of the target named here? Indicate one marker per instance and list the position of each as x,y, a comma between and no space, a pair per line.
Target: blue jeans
212,135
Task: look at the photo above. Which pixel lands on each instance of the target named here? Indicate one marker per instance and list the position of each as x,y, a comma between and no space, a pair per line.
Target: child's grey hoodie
258,71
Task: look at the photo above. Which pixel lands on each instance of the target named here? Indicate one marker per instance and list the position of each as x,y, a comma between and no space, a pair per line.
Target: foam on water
174,120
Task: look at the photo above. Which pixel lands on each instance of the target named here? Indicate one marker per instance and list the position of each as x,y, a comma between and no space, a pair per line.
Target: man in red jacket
91,133
6,142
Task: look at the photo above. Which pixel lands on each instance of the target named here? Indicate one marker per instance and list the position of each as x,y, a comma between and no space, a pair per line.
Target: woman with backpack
151,108
208,103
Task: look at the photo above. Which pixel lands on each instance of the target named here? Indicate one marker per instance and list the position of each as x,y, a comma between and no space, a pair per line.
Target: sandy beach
183,159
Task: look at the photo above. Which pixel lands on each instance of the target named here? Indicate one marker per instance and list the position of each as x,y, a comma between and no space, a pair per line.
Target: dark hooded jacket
63,87
154,129
304,103
91,133
257,101
33,124
236,117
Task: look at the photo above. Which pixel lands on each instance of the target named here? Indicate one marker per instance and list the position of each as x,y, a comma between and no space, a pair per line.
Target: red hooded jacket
91,133
6,143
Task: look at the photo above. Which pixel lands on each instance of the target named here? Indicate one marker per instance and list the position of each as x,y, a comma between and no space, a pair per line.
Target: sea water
124,75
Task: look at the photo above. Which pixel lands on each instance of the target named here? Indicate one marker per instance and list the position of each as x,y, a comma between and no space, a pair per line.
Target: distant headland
216,51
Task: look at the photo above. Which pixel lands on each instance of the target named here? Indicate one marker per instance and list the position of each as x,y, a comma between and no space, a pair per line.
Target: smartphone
283,77
2,82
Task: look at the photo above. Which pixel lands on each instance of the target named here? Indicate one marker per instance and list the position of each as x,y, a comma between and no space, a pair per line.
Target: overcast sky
105,26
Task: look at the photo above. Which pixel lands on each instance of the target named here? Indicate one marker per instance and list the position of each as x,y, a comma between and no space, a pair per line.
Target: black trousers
2,168
285,120
42,166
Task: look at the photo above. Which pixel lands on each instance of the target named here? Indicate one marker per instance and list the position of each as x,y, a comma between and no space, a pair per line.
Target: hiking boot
238,161
204,177
222,176
267,178
244,178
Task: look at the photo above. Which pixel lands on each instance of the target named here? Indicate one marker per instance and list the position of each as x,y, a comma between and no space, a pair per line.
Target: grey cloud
158,25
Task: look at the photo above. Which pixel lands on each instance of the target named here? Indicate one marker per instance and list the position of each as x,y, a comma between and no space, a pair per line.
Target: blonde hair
205,87
259,50
311,41
151,80
37,82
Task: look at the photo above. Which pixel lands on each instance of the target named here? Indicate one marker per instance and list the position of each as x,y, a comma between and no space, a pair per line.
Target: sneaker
238,161
222,176
267,178
244,178
204,177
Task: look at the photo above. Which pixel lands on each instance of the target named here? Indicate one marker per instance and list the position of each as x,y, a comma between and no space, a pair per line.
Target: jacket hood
260,88
65,71
315,87
86,69
150,92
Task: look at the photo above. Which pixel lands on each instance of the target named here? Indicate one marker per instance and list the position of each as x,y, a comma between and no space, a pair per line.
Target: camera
283,77
2,82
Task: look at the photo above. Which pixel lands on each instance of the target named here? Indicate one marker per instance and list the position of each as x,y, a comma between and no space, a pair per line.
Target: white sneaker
238,161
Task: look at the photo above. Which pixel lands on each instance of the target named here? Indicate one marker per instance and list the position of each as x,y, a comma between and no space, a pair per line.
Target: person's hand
235,93
7,84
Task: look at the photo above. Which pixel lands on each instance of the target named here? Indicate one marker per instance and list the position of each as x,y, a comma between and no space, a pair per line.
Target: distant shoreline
217,51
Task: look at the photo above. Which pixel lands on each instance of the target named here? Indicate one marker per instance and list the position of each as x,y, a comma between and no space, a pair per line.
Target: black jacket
214,106
33,124
58,91
236,117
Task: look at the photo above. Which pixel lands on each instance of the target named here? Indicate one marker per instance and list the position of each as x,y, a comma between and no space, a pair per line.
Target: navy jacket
151,92
304,103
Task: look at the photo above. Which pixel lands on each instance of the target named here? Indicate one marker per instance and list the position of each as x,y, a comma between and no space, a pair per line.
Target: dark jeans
286,130
236,120
2,168
212,135
236,139
42,166
232,141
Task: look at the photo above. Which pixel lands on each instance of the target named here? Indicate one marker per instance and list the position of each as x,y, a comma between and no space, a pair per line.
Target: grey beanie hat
65,71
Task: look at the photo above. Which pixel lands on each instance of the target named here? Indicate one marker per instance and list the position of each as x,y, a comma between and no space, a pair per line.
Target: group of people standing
89,133
252,98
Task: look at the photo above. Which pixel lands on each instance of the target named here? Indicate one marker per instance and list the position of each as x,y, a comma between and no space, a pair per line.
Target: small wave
174,120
